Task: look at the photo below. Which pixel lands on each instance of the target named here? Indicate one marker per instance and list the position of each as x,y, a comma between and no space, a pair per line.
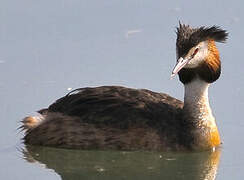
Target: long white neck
198,116
196,103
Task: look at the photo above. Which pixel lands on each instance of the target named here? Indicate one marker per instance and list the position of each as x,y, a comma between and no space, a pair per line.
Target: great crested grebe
113,117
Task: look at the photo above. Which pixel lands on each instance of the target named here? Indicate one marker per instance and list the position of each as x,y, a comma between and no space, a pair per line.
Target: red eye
195,52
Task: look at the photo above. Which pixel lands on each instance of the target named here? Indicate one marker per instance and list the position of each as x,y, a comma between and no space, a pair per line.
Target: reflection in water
76,164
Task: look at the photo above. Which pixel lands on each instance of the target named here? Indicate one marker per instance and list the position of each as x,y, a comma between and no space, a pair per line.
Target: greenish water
50,47
75,164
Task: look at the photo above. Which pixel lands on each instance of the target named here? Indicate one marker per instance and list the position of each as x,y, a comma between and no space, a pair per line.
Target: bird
121,118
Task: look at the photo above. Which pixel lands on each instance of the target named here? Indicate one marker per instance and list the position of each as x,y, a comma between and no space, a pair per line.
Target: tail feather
30,122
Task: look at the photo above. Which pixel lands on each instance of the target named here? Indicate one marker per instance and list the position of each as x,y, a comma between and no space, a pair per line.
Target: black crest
188,37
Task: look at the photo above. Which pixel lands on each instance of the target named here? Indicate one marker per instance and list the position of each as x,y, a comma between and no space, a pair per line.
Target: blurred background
48,48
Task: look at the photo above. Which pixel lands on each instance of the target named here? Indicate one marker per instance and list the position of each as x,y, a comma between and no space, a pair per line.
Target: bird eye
195,52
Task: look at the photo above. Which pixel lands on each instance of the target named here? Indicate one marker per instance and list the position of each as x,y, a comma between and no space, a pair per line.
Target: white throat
196,103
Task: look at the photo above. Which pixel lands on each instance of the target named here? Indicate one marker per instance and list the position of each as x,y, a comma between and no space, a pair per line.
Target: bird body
114,117
108,117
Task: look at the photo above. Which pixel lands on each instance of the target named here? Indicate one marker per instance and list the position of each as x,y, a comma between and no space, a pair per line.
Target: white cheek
199,57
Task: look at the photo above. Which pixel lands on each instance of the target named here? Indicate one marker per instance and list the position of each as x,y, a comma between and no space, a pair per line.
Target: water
50,47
